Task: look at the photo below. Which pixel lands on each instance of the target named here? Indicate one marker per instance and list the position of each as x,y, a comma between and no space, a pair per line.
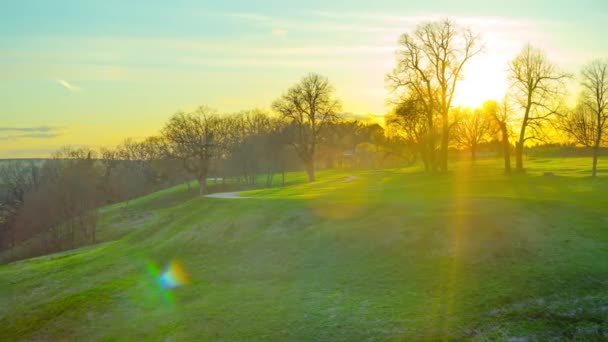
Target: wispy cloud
35,132
29,129
68,86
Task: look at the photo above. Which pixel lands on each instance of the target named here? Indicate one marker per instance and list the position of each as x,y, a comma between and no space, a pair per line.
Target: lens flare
173,276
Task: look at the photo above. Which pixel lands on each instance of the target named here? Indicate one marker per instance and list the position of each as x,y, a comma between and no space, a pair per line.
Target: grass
384,255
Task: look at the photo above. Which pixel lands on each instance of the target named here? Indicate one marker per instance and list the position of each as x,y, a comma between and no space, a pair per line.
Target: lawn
358,255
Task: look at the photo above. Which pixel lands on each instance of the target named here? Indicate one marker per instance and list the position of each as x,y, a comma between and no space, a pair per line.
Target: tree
110,160
586,124
196,139
472,129
501,113
17,178
308,105
537,85
409,120
429,65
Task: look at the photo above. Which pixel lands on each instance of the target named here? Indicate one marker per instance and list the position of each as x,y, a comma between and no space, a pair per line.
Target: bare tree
586,124
537,85
409,120
502,116
110,160
430,63
17,178
308,105
473,127
196,139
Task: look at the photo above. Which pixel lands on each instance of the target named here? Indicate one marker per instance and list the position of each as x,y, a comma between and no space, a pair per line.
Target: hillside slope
384,255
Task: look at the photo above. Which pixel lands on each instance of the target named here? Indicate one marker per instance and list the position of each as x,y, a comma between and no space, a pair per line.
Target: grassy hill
374,255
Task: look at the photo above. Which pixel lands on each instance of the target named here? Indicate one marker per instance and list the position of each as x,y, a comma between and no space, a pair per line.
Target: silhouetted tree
410,121
473,127
586,124
502,115
308,105
537,85
196,139
430,62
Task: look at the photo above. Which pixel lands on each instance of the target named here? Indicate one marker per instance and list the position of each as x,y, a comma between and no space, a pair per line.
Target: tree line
56,201
430,63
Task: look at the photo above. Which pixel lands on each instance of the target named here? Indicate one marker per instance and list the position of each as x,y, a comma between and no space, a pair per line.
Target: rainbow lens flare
173,276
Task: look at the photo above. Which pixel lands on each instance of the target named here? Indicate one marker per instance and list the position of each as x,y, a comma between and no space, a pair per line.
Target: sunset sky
94,72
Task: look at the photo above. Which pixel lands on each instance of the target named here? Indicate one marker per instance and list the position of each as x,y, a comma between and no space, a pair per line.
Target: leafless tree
109,159
409,120
308,105
537,86
473,127
501,112
17,178
586,124
196,139
430,63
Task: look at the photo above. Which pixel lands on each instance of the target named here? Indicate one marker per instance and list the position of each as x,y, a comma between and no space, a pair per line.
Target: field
359,255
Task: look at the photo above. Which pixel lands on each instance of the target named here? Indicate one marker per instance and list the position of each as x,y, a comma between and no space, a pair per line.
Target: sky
95,72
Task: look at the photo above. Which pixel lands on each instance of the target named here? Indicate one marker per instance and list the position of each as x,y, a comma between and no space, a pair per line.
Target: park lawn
358,255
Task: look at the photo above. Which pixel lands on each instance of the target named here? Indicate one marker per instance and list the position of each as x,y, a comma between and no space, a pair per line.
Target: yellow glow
484,79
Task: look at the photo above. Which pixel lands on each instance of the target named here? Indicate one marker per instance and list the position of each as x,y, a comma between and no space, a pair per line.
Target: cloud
30,136
29,129
68,86
279,32
37,132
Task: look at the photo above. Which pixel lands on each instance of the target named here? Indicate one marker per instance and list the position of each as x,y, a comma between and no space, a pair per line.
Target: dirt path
235,194
232,195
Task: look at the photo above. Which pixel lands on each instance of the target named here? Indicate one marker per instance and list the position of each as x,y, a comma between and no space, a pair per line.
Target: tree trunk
506,149
310,170
519,156
425,158
595,154
202,184
519,146
269,176
473,152
431,155
444,145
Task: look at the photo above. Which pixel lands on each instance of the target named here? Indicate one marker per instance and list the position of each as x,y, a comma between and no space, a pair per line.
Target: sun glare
484,79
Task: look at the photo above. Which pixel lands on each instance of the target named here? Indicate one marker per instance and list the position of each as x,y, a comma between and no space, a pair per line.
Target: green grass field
364,255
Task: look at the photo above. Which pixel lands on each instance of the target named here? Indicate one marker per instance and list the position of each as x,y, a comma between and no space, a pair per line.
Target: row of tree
429,65
57,200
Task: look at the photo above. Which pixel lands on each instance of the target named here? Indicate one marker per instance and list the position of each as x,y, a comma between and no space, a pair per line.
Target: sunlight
484,79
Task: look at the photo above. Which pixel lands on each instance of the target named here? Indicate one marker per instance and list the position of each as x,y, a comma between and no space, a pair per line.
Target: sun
483,79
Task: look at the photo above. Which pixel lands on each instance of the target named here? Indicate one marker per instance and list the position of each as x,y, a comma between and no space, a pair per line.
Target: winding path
232,195
235,194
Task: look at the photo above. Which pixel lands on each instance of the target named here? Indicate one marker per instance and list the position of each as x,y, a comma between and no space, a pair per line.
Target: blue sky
94,72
